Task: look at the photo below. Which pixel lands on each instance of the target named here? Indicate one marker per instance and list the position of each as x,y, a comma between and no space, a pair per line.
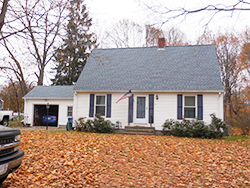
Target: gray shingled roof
51,92
177,68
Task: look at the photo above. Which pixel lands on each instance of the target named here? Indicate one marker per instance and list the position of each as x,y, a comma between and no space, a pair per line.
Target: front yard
72,159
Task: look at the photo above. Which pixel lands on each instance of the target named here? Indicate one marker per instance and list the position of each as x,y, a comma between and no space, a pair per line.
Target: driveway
40,128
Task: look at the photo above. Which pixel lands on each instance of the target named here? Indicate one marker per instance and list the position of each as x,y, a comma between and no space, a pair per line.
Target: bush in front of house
195,128
97,125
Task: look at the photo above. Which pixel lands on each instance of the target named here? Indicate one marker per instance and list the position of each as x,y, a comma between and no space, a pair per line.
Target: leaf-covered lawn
72,159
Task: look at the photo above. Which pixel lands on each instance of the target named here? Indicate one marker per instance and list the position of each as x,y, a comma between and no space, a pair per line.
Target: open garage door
40,114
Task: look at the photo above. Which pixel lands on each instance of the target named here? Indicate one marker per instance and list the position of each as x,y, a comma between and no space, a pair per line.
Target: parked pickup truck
10,155
5,117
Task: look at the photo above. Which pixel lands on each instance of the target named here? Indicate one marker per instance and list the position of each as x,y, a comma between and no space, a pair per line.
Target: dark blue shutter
91,105
108,115
179,106
200,107
151,108
130,109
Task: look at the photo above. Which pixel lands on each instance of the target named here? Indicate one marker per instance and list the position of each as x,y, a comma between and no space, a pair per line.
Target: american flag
126,95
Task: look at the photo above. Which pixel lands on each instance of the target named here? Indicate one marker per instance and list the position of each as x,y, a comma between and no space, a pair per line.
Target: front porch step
139,130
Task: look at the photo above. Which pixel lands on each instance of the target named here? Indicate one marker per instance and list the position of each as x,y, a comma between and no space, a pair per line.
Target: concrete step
139,127
139,130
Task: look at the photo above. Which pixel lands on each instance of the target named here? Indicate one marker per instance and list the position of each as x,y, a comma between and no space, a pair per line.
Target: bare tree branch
3,13
17,69
41,21
124,33
174,13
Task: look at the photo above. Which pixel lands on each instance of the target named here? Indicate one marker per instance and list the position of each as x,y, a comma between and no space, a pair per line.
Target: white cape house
167,82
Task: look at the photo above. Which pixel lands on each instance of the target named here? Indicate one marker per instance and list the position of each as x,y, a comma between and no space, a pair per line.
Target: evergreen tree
72,55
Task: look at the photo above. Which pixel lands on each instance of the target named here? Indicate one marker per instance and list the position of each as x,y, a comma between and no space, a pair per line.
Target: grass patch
236,138
16,123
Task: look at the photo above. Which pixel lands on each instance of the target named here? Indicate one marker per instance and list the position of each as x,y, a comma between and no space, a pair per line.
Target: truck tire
2,179
5,122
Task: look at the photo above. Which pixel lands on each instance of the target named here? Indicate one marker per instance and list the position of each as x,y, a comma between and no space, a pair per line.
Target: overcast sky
106,12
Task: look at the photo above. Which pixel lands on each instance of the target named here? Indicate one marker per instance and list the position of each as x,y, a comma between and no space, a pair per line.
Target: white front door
141,110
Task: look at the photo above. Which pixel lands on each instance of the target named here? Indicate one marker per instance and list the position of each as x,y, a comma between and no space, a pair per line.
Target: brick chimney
161,43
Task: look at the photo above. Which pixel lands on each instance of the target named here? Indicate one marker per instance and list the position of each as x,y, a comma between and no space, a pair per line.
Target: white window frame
195,105
105,100
68,111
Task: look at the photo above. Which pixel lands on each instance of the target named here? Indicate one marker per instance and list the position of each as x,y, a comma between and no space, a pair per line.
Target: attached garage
58,99
40,114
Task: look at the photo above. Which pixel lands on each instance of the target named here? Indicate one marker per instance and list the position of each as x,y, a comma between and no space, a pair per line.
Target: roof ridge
57,86
140,47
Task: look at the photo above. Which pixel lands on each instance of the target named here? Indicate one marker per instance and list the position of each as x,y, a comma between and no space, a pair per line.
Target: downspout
220,106
75,102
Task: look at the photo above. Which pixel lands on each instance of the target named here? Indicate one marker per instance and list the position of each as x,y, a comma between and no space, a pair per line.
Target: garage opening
40,115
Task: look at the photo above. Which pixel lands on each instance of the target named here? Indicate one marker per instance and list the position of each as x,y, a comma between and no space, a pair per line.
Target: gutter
42,98
153,91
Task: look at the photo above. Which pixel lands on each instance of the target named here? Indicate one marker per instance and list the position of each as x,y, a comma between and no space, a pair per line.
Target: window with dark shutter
200,107
108,115
151,108
91,105
130,109
179,106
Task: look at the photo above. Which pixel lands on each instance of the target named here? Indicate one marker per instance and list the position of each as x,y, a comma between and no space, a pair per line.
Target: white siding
212,103
62,108
164,108
82,106
119,111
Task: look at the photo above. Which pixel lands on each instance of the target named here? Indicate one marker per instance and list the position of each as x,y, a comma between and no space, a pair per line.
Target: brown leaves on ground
72,159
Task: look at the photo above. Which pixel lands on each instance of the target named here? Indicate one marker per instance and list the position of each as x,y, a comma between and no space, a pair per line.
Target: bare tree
12,95
175,37
127,33
3,13
3,22
228,49
123,34
152,35
14,68
31,50
245,55
213,9
239,120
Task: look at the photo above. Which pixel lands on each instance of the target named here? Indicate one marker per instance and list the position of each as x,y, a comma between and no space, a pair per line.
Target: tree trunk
40,77
3,12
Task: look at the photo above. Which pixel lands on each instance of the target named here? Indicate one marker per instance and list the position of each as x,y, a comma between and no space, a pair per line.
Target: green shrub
16,123
98,125
81,125
195,128
18,117
218,125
